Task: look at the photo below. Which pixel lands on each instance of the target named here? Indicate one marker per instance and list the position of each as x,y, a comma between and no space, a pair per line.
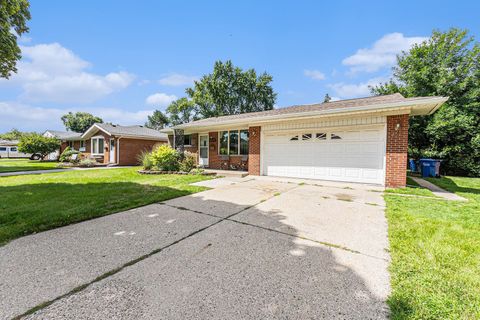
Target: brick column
397,148
254,151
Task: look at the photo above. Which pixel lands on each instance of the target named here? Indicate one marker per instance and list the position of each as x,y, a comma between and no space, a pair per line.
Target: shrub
145,160
67,155
36,143
87,163
165,158
189,161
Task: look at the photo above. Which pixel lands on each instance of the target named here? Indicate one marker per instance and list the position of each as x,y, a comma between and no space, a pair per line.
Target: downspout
118,151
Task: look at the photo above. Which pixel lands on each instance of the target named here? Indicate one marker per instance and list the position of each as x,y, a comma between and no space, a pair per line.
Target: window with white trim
233,142
98,145
71,144
306,136
321,136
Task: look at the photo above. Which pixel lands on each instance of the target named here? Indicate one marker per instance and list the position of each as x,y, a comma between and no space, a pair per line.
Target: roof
385,102
8,142
136,131
64,135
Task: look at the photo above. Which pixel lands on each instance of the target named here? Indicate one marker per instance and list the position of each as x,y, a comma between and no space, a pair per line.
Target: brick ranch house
111,144
359,140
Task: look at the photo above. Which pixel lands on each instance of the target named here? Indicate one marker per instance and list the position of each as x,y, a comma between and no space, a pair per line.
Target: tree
181,111
327,98
447,64
158,120
230,90
80,121
13,134
36,143
14,15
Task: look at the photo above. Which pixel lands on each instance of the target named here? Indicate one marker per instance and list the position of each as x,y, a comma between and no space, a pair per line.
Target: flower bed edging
174,172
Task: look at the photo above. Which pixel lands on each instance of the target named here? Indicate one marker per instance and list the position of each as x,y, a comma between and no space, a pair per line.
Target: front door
203,151
112,150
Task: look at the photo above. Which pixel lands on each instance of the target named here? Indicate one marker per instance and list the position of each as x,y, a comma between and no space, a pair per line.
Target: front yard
14,165
35,203
435,249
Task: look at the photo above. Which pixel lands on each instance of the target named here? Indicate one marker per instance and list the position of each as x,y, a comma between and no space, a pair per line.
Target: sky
121,60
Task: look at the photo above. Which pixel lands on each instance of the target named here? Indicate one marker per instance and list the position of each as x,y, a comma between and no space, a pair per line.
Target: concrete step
228,173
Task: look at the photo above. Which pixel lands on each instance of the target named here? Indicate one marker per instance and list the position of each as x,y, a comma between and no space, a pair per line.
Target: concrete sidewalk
436,190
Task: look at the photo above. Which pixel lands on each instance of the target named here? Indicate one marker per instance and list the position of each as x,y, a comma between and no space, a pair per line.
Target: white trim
208,148
91,146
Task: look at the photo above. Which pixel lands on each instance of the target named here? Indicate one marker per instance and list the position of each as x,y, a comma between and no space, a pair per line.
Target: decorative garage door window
335,137
321,136
306,136
294,138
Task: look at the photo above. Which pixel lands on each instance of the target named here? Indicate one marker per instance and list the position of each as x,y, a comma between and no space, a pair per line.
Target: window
233,142
244,136
223,141
321,136
70,144
82,143
187,140
333,136
294,138
306,136
13,149
97,145
3,148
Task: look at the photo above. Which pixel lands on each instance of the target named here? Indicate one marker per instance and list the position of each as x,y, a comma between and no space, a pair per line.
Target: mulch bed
174,172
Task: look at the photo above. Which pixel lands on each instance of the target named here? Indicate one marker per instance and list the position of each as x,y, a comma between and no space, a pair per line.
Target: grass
13,165
435,249
412,188
35,203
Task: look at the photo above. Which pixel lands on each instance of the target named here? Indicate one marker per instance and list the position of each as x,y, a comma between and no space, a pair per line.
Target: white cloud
160,99
27,117
314,74
349,90
176,79
382,54
50,72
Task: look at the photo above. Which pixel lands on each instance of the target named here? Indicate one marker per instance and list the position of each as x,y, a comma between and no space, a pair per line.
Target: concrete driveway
249,248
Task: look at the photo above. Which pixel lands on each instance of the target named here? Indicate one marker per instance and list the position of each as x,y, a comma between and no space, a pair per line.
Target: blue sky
122,59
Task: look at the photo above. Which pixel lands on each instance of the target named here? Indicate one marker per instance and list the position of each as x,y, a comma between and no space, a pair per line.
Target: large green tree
181,111
14,15
80,121
158,120
447,64
14,134
36,143
230,90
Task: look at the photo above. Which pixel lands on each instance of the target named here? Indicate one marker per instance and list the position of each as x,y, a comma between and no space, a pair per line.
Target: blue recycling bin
430,168
413,165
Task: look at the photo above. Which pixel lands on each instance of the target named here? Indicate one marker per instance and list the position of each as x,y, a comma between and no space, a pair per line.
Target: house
67,138
358,140
9,149
112,144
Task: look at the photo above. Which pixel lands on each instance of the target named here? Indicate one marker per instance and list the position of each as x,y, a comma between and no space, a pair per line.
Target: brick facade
254,151
130,149
396,153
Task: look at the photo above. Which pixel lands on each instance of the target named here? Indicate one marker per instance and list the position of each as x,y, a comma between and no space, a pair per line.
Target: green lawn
12,165
435,249
34,203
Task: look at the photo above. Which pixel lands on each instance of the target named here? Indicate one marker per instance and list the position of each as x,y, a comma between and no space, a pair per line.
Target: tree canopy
14,15
230,90
182,111
158,120
80,121
36,143
447,64
14,134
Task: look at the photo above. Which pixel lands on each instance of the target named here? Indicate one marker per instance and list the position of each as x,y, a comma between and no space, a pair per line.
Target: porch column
397,148
254,151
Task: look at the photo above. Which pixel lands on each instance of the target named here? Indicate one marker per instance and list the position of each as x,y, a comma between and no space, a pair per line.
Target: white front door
112,150
203,150
349,154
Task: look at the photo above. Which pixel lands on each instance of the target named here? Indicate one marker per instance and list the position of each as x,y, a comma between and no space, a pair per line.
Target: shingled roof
318,108
64,135
136,131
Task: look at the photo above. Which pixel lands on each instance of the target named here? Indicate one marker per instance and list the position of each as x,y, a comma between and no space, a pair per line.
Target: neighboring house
9,149
112,144
358,140
121,144
67,138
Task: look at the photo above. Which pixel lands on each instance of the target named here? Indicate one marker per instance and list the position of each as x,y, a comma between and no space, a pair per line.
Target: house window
97,145
321,136
187,140
82,143
306,136
70,144
333,136
233,142
294,138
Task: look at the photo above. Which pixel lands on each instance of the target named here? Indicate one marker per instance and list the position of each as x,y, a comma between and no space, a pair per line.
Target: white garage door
355,155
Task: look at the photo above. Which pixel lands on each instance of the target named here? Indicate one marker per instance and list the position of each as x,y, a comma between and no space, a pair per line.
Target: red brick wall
397,147
130,149
254,151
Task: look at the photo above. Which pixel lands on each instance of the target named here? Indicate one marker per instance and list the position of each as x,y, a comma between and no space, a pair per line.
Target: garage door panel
357,156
